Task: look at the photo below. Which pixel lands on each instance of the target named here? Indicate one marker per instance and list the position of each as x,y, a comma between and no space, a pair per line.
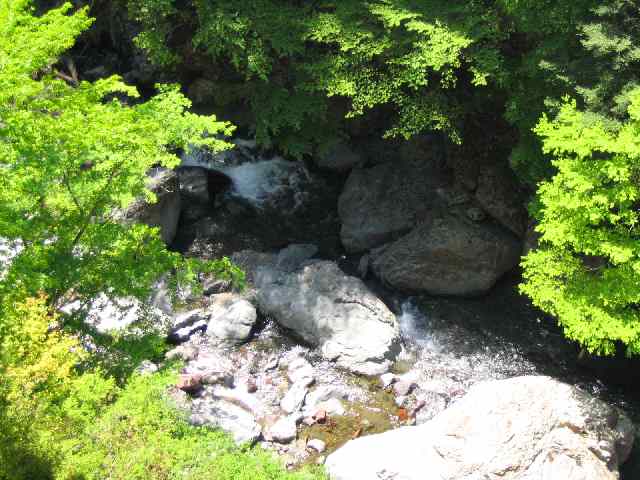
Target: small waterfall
262,181
267,180
414,328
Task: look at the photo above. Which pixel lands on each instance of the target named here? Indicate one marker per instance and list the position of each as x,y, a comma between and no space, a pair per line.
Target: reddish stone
320,416
251,386
403,416
190,382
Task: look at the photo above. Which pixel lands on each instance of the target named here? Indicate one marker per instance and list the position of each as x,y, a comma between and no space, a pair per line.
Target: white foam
414,328
255,178
261,181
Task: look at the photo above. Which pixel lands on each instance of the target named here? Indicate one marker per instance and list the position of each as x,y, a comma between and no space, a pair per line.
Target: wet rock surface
262,391
270,202
258,390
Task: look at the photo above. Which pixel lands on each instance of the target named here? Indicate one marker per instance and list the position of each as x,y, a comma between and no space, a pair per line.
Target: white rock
387,379
403,388
317,445
232,318
284,430
239,397
315,399
333,407
146,367
184,352
232,419
300,370
294,398
525,428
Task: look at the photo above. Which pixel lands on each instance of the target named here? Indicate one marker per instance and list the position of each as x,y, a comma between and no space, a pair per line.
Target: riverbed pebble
294,398
316,445
284,430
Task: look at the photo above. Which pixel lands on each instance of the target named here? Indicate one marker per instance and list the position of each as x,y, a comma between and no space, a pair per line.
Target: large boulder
447,255
500,197
382,203
165,212
525,428
333,311
338,157
234,419
194,185
232,318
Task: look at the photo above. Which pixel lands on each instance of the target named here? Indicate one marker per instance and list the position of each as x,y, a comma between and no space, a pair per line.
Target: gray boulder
382,203
232,318
294,399
200,189
526,428
447,255
338,157
290,258
194,184
499,196
300,370
231,418
165,212
284,430
333,311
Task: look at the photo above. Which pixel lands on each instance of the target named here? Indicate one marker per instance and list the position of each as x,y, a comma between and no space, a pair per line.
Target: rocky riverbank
339,335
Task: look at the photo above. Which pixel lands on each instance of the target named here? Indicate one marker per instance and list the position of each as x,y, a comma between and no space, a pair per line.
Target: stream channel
450,343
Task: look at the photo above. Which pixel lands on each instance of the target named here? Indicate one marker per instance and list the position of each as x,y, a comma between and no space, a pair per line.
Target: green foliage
410,56
43,399
405,54
60,422
586,269
585,49
72,155
142,436
156,17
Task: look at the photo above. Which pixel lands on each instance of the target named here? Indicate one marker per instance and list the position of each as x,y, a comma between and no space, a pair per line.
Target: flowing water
451,344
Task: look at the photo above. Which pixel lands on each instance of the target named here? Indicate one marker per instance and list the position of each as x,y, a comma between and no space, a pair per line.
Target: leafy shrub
73,154
585,271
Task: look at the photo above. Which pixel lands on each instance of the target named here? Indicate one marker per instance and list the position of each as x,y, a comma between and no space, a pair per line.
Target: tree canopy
71,155
548,87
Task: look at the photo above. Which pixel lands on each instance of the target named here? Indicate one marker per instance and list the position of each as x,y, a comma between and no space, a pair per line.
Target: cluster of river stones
309,362
305,362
